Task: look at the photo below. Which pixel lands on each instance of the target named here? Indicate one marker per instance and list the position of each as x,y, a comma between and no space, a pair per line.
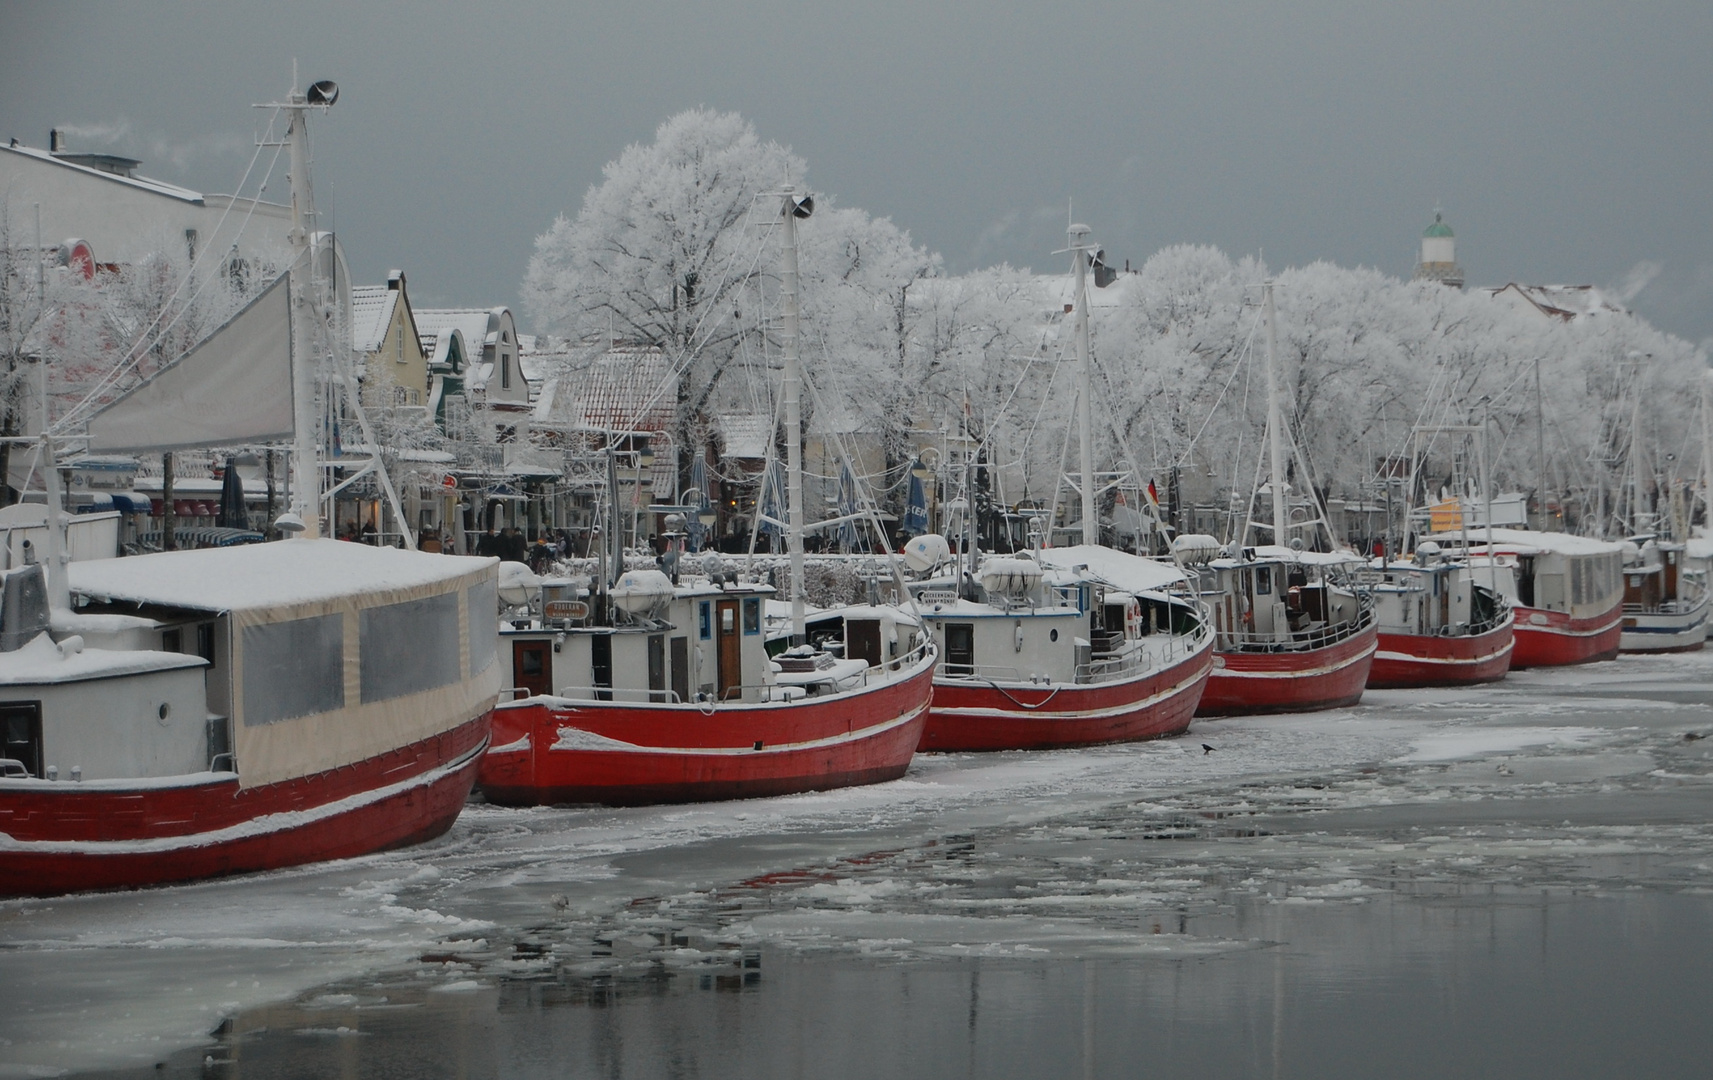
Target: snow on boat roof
1313,558
1529,540
1132,573
42,661
254,576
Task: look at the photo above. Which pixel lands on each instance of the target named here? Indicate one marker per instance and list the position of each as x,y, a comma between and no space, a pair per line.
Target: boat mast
1275,426
795,205
309,305
1636,526
1706,444
1079,304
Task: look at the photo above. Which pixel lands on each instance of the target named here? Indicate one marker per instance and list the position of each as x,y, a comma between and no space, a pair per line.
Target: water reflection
1488,982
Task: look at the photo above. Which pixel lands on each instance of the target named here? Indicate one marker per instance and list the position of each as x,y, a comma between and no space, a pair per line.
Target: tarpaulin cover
339,652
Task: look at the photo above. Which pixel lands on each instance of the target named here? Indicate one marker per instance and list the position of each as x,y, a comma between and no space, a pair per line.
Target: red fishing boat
1066,647
1291,633
213,712
645,688
1567,592
197,713
1441,623
672,697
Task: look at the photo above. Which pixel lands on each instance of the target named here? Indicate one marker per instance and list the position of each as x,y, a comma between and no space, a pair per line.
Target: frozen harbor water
1512,880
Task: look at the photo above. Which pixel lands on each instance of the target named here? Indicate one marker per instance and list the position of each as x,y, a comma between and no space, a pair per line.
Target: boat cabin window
601,665
705,620
1264,581
294,668
172,640
21,726
408,648
960,648
752,615
657,668
205,641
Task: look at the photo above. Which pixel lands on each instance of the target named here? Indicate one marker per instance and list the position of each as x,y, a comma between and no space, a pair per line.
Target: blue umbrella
916,513
699,481
772,504
849,538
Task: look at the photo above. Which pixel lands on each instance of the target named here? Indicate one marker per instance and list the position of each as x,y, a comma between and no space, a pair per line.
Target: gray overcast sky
1567,141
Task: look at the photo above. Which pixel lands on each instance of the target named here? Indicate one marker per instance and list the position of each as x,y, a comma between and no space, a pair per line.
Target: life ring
1133,619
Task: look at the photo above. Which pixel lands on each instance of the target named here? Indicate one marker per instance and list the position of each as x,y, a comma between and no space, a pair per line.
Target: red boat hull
69,837
1327,678
1554,639
1406,660
549,750
975,716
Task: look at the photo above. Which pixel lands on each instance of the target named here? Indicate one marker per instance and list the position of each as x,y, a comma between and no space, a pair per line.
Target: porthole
1052,635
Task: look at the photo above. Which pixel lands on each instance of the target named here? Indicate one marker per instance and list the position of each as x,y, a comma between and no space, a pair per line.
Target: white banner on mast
233,388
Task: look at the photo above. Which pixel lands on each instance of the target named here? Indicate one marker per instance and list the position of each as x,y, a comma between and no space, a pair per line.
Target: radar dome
517,583
926,552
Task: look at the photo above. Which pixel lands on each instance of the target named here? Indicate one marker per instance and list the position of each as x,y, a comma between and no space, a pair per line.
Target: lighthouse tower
1439,254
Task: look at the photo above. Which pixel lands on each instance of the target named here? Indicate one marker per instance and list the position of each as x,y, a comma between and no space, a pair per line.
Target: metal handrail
1320,638
647,697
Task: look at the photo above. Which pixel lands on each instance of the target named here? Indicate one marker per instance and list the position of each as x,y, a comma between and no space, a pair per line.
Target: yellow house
384,335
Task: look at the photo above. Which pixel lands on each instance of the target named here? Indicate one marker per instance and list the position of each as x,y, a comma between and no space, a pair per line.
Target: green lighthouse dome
1439,227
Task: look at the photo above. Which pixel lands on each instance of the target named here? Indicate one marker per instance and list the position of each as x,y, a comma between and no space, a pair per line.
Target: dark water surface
1514,882
1421,979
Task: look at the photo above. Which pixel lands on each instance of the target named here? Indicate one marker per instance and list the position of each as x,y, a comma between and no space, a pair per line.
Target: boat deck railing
1151,650
1665,607
741,693
1319,637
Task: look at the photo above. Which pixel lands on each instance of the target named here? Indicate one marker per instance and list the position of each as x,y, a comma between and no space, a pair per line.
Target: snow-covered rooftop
372,308
478,326
746,435
1564,302
157,187
623,389
256,576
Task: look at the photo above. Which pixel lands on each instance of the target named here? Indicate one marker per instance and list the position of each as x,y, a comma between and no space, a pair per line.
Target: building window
401,344
505,372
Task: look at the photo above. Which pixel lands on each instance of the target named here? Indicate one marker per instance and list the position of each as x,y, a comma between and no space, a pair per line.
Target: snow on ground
1556,777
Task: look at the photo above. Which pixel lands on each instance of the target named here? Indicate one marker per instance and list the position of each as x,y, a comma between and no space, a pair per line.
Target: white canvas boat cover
1121,570
337,652
232,388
